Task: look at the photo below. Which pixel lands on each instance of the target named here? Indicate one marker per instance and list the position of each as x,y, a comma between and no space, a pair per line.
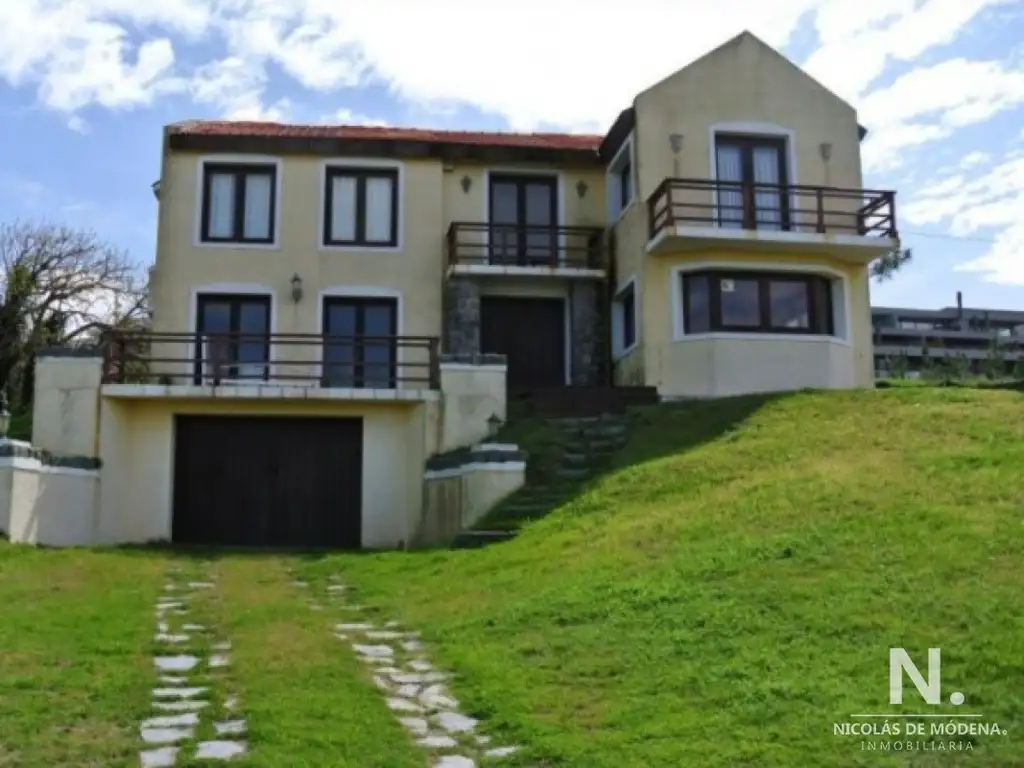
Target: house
904,337
337,309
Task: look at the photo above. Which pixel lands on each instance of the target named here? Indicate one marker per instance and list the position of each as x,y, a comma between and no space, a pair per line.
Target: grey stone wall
588,312
462,316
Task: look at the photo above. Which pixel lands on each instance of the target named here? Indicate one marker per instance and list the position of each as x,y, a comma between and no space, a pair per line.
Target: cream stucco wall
741,87
744,82
137,448
430,198
720,364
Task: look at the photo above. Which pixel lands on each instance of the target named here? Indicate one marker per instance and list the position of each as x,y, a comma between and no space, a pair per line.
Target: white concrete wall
65,413
54,506
470,395
455,499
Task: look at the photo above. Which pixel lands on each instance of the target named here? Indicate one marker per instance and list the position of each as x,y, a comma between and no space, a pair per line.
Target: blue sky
86,85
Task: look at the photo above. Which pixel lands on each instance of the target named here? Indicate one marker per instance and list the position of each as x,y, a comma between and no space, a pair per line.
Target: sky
86,86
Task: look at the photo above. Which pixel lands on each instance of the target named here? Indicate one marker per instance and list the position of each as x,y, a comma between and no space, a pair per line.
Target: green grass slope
732,588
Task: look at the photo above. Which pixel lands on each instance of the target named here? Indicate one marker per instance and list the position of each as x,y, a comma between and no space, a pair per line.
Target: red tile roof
569,141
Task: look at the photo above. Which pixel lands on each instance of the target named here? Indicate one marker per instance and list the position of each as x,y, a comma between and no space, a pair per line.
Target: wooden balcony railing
381,362
772,207
510,245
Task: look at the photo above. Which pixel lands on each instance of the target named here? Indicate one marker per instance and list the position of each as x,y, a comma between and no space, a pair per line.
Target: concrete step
597,445
477,539
574,473
576,459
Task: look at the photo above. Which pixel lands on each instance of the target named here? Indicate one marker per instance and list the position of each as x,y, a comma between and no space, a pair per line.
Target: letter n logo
899,662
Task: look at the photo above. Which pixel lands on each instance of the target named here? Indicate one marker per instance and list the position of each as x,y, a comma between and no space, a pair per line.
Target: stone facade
462,316
587,333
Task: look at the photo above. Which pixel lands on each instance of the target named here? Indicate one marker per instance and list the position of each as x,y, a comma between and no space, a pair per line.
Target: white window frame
618,319
361,162
625,154
841,302
197,230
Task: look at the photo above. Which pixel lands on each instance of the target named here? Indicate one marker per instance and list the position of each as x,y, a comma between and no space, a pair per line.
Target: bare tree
60,286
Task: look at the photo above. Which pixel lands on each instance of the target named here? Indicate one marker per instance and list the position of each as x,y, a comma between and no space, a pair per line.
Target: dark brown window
360,342
757,302
238,203
234,336
361,207
625,186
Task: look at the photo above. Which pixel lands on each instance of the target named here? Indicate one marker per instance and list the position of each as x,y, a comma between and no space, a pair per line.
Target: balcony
507,249
852,224
270,366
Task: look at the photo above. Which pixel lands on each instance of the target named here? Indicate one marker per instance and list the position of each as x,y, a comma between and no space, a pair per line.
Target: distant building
903,336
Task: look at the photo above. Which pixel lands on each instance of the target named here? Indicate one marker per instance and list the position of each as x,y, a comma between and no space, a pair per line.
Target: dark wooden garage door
531,333
281,482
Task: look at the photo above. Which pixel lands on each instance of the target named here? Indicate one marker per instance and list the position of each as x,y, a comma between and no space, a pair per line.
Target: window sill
238,245
328,248
800,337
616,356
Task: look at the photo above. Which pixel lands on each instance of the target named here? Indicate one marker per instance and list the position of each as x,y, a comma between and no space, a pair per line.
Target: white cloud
931,103
858,41
236,89
991,204
346,116
535,63
532,62
973,159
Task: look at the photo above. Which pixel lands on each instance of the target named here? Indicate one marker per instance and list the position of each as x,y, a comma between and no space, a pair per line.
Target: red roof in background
477,138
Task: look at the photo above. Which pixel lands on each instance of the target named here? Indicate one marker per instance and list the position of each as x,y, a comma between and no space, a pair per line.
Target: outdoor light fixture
581,189
296,288
466,184
675,141
5,419
494,424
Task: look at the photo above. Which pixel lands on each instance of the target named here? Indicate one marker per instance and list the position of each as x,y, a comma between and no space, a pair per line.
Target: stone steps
477,539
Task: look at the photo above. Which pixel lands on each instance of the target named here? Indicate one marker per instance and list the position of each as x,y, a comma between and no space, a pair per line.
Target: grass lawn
733,588
720,598
75,668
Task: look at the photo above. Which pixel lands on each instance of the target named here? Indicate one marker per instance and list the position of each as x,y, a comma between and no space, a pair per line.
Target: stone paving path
194,715
413,689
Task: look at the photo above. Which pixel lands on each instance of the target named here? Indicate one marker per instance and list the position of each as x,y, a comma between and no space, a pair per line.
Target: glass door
234,337
523,220
754,194
360,343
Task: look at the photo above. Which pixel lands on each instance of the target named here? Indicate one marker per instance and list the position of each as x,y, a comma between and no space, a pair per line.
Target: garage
268,481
